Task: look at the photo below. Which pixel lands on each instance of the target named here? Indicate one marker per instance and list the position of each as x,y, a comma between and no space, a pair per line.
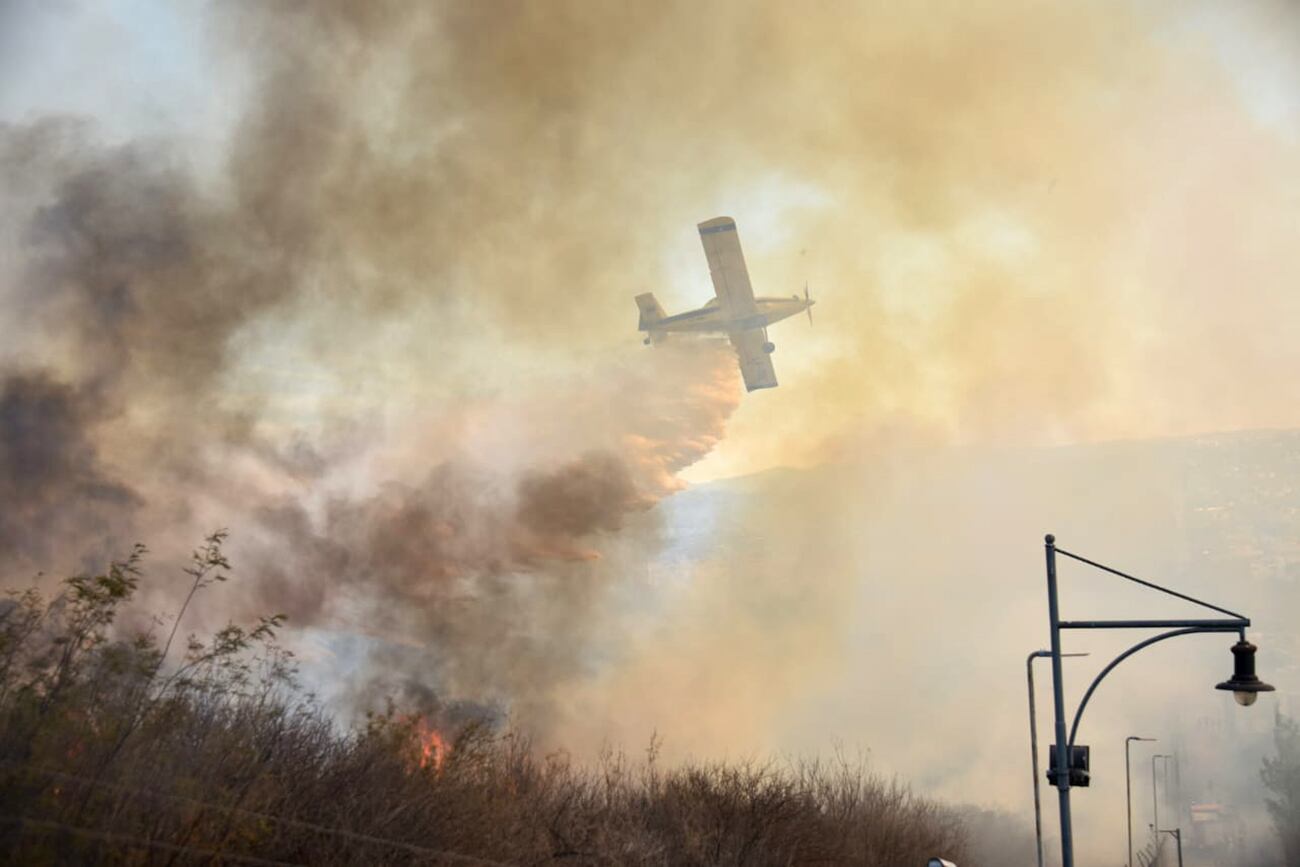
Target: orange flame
432,746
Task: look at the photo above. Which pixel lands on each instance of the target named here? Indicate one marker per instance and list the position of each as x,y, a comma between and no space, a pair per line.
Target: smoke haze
355,280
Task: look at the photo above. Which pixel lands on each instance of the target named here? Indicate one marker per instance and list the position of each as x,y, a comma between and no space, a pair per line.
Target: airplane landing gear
769,347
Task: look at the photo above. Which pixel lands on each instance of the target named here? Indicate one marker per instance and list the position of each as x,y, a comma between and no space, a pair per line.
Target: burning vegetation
112,750
430,744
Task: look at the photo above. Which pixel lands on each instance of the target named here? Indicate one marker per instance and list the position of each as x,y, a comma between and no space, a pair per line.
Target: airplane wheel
646,341
769,348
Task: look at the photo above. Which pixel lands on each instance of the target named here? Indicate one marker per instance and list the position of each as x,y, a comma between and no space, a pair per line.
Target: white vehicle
733,311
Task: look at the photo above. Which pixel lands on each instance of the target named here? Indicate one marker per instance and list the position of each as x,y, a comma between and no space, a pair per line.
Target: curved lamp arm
1174,633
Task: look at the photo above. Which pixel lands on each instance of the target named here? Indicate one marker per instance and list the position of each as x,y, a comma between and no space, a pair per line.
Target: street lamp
1244,685
1128,792
1033,745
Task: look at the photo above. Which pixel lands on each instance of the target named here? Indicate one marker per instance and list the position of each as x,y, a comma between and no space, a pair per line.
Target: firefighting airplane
734,311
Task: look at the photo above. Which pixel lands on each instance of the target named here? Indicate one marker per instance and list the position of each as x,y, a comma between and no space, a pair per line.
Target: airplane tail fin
651,311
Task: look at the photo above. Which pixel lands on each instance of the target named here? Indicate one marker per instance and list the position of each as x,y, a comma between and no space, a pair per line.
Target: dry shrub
110,752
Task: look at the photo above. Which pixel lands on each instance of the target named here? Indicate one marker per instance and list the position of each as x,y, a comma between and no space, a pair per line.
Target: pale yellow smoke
1028,222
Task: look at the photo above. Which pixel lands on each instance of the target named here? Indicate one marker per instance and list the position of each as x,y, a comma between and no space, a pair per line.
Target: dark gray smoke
130,287
52,481
486,582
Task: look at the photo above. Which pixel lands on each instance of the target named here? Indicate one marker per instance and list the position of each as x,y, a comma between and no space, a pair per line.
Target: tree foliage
1281,775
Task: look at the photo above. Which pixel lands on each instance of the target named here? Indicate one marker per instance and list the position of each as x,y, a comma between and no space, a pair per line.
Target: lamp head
1243,684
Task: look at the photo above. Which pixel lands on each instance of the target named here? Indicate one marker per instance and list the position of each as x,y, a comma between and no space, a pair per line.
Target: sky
357,282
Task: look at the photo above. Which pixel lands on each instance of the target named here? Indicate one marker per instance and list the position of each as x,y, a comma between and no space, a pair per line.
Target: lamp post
1155,799
1244,684
1128,792
1033,745
1177,834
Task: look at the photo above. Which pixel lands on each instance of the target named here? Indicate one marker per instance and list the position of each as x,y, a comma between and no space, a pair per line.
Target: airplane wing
727,268
736,295
755,364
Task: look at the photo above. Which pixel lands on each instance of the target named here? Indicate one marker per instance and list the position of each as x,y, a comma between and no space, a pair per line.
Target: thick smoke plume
378,321
153,302
489,577
135,288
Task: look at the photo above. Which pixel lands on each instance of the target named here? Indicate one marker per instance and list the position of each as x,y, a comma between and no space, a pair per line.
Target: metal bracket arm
1218,625
1190,627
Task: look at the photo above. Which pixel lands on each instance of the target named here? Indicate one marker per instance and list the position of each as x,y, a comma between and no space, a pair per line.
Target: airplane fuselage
713,318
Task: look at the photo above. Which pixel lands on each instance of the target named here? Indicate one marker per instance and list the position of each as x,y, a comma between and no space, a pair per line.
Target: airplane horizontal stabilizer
651,311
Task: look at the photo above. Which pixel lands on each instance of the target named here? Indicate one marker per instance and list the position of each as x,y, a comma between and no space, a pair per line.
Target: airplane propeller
808,309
